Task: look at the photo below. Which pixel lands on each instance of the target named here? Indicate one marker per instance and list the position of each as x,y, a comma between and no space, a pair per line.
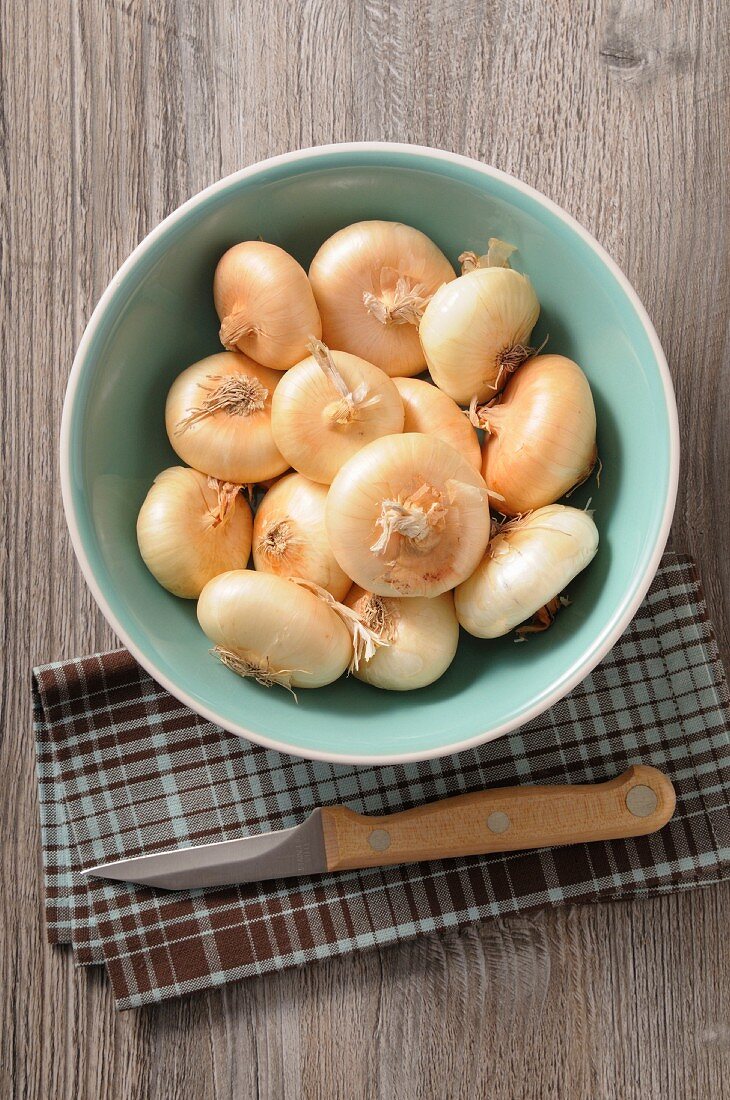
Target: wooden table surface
112,114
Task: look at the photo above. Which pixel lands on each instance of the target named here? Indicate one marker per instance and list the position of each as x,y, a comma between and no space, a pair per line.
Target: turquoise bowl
157,316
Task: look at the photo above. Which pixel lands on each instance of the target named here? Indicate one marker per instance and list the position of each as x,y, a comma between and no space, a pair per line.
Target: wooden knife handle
502,820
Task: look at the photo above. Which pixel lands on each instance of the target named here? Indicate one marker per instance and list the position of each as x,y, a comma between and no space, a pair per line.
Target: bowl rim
584,667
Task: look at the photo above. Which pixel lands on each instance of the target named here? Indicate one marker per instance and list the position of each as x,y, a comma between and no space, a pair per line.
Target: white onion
273,631
265,304
528,564
289,535
190,528
218,418
420,637
408,516
541,435
475,331
372,281
430,411
328,407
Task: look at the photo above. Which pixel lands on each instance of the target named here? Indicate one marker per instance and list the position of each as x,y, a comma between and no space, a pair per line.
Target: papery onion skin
430,411
368,258
542,435
275,624
394,469
473,328
309,440
182,538
422,636
526,565
231,446
265,303
290,538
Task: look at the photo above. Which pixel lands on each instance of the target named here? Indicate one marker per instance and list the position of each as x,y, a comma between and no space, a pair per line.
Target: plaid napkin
123,768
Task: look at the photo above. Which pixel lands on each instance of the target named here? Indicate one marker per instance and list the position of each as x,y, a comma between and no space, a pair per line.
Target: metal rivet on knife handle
641,801
498,822
379,840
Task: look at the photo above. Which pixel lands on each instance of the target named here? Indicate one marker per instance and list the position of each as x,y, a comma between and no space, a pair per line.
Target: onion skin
432,412
475,330
237,447
394,469
272,621
265,303
311,442
291,519
183,541
422,636
541,439
526,565
368,258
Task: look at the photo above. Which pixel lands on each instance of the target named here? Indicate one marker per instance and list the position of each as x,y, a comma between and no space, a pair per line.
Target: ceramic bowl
157,316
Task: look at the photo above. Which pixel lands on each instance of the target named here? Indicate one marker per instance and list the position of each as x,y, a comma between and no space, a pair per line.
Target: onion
475,331
541,437
265,304
372,281
527,565
190,528
430,411
419,638
289,535
218,418
408,516
273,631
328,407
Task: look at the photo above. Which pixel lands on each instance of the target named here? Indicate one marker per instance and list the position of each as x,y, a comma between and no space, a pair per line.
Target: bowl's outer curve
157,317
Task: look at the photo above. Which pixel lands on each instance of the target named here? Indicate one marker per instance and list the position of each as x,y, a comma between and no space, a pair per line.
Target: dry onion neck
235,394
260,671
235,327
543,618
484,416
365,639
414,519
227,491
349,403
404,305
497,255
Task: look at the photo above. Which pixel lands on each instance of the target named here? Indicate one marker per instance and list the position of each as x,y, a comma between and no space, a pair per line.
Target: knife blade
335,838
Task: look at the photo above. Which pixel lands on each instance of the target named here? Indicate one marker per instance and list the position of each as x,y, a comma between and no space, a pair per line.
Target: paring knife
335,838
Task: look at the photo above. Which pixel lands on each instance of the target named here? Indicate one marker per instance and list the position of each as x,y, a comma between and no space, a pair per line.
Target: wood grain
111,114
505,819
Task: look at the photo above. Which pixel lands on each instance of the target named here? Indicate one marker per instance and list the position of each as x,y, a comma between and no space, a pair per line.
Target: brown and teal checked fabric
123,768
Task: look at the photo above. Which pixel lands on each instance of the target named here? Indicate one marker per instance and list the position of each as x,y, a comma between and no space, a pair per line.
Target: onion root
261,672
237,395
277,539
